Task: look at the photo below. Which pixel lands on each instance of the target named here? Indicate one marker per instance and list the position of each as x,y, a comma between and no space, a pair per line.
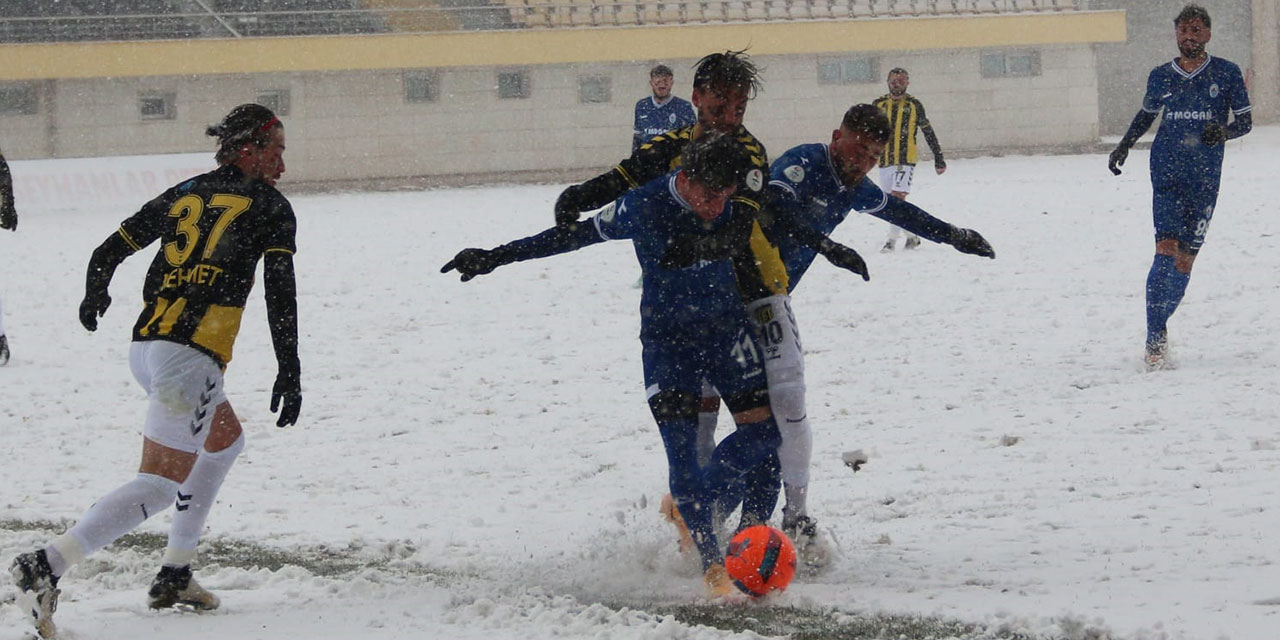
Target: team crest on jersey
1213,90
794,173
755,180
671,118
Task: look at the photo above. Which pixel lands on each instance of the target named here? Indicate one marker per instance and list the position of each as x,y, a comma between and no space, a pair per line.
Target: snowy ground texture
476,461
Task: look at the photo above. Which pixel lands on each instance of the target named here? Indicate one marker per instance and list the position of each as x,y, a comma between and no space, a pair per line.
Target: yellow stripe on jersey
217,330
769,261
127,240
904,118
279,249
626,176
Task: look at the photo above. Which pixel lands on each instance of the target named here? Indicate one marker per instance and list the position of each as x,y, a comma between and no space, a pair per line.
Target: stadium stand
74,20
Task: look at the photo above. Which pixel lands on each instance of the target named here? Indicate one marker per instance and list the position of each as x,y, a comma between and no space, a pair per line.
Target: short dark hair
868,119
728,70
1193,12
661,70
898,70
247,123
716,159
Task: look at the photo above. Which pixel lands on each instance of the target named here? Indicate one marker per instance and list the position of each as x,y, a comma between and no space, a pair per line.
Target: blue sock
688,488
1165,288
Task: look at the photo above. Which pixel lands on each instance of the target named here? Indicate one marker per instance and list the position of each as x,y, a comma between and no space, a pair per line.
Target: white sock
112,516
195,498
796,450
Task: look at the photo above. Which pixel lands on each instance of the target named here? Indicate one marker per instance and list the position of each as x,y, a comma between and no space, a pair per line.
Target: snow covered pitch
476,461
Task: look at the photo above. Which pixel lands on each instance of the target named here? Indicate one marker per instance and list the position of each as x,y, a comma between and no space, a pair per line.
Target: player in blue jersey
693,326
816,186
1199,95
660,112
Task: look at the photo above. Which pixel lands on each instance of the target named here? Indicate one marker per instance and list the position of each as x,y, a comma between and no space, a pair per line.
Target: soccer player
723,83
693,325
817,186
1198,94
898,162
213,228
660,112
8,220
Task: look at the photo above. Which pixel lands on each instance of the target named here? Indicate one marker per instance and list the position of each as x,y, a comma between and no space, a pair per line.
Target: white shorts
896,178
183,387
779,339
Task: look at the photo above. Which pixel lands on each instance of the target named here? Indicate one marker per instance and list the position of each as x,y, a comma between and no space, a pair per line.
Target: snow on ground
485,448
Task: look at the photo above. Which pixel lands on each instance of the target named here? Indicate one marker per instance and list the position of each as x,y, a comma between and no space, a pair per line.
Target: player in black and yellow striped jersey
213,230
897,163
8,220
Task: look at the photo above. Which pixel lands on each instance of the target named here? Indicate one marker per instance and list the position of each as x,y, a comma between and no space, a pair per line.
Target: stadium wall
349,119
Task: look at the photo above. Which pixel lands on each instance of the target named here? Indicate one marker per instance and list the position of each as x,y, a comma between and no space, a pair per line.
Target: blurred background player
8,220
816,186
660,112
693,327
1198,94
898,163
214,229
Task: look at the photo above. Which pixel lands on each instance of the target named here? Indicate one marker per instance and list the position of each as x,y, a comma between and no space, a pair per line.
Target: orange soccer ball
761,559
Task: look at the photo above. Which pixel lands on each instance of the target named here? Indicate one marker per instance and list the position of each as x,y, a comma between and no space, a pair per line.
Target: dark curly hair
247,123
728,70
716,159
868,119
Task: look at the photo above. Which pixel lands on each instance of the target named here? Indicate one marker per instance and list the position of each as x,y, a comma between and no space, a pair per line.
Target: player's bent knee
226,430
674,404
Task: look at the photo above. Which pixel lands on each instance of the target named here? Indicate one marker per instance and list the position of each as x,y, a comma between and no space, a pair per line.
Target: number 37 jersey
213,230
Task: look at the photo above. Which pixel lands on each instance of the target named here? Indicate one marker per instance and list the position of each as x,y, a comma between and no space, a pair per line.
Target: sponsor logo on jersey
764,315
1188,115
607,214
794,173
755,180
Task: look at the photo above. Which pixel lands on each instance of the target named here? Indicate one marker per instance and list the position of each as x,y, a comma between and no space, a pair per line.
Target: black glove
288,388
1117,158
971,242
474,262
8,217
843,257
939,164
566,211
93,306
1215,133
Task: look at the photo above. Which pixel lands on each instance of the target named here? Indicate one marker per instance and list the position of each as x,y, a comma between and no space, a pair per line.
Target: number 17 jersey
214,228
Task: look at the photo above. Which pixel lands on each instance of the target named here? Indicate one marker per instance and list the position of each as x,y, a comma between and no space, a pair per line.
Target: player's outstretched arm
1139,126
589,196
102,267
470,263
282,318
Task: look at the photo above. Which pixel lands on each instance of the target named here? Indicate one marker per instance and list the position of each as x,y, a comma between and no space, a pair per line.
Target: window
595,89
421,86
277,100
848,71
19,99
513,84
1010,64
158,106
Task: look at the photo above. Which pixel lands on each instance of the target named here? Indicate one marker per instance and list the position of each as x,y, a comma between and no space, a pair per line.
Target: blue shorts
1182,210
722,352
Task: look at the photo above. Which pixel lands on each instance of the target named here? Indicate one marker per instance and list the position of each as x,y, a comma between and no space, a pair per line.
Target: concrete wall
355,124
